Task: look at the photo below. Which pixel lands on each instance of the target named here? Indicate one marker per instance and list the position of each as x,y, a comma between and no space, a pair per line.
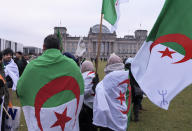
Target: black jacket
21,64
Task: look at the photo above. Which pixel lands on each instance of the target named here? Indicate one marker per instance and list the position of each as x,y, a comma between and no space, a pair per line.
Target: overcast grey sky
29,21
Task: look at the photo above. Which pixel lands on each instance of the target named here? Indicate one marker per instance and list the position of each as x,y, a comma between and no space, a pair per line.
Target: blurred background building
15,46
110,43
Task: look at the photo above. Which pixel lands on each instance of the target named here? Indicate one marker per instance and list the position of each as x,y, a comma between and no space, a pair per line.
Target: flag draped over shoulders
51,92
112,101
12,70
162,67
88,91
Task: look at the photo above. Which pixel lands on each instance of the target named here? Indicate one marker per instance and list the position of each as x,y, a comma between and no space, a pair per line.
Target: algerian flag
88,91
51,93
162,66
112,103
12,70
111,11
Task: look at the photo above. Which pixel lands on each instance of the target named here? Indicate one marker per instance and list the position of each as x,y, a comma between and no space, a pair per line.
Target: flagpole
99,44
6,112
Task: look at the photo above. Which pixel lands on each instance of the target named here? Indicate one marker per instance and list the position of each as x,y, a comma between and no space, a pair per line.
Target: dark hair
7,51
19,52
51,41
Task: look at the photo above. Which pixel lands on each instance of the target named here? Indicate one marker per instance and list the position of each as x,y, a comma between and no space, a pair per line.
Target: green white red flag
51,93
111,12
112,102
162,67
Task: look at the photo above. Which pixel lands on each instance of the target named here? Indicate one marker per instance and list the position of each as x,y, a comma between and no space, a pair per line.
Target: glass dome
96,29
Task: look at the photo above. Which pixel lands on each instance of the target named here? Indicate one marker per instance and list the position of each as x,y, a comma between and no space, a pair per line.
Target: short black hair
19,52
7,51
52,41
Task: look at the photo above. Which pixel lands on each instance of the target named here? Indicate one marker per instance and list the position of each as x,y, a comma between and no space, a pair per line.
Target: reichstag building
110,43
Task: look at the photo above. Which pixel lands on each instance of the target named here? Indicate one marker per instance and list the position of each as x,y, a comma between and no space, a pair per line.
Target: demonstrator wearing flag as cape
90,81
111,107
51,90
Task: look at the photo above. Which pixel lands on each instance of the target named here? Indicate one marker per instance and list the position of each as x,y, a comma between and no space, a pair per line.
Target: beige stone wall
124,47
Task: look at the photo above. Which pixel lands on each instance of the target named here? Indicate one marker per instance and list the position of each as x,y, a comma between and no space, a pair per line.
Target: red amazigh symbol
129,99
52,88
180,39
167,53
121,97
62,119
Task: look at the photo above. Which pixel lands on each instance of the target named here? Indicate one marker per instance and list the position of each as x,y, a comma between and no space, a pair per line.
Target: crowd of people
105,104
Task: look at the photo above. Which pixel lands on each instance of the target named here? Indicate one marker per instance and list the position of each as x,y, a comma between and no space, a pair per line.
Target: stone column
106,48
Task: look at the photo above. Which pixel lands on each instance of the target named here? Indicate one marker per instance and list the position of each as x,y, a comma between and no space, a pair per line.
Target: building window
68,47
73,48
94,47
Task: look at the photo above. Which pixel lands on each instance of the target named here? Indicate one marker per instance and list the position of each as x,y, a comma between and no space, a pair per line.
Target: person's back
90,82
51,90
21,62
111,107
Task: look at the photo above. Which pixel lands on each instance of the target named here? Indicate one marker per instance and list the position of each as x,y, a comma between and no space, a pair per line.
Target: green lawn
177,118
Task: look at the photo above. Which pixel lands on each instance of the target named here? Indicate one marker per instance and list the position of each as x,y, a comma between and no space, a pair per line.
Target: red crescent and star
52,88
62,119
127,81
167,52
180,39
121,97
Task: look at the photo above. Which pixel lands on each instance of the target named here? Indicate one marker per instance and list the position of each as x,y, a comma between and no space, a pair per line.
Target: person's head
69,55
7,54
114,63
51,42
113,59
18,54
26,57
87,66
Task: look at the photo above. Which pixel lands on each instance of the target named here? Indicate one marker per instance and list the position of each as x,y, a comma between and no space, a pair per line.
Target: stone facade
110,43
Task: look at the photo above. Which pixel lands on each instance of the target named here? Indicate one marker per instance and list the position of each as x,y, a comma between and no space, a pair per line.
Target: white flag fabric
110,108
162,67
12,70
88,92
12,124
63,116
81,48
158,77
